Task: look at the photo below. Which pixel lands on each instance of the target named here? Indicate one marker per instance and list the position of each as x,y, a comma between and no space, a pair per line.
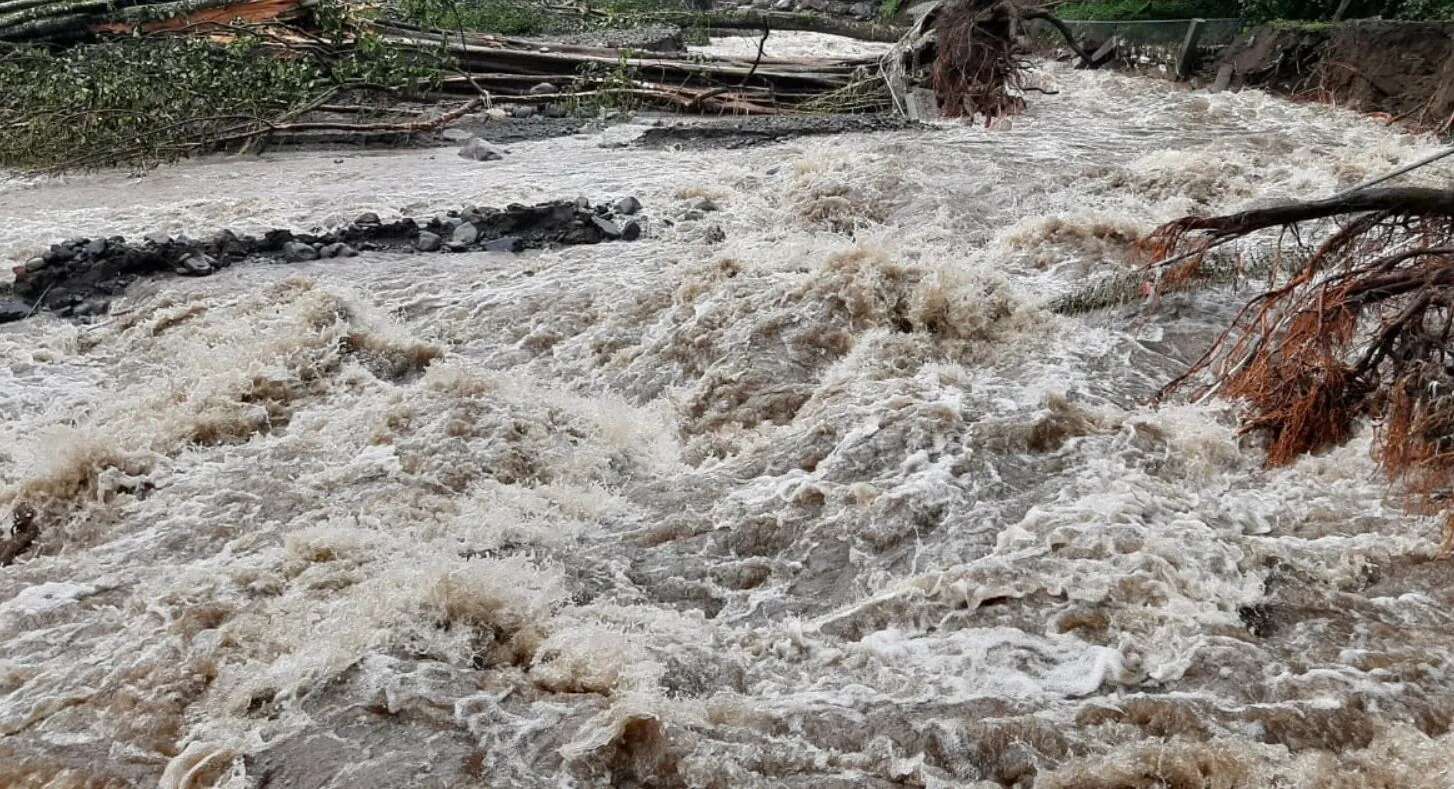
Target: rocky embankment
80,277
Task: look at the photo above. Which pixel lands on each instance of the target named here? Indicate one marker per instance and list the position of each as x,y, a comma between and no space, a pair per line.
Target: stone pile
80,277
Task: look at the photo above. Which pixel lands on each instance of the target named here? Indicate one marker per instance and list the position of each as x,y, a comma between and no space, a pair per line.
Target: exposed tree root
981,59
1360,328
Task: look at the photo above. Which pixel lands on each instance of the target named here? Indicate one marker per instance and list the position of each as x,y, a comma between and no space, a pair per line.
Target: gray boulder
12,310
465,234
480,151
195,265
297,252
428,242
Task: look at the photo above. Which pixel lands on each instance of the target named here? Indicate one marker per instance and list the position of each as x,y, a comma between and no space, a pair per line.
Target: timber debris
344,73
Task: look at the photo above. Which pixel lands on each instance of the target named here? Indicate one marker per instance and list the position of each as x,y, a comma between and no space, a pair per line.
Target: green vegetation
887,8
1255,11
532,18
1134,10
143,101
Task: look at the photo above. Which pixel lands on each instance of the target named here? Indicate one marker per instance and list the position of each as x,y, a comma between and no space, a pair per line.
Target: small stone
464,235
367,218
428,242
716,235
96,247
91,307
522,111
36,264
157,239
297,252
627,206
631,231
504,244
543,89
12,310
705,205
611,229
555,111
195,265
862,10
783,5
455,135
480,151
336,250
692,216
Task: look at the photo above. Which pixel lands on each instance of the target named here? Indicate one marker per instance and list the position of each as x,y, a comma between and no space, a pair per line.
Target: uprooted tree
974,55
1357,326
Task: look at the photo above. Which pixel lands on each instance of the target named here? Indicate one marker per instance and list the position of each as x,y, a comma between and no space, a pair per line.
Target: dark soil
80,277
747,132
1403,69
506,131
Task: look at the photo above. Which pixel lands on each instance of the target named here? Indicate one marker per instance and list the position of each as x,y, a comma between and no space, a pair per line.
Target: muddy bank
1402,69
80,277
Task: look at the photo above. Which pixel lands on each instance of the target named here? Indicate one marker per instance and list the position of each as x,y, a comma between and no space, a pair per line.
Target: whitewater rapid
831,502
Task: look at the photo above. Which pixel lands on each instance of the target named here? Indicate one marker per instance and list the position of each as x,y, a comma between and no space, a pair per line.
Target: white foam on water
831,502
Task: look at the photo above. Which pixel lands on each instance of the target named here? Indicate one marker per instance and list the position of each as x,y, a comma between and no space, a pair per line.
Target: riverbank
1402,70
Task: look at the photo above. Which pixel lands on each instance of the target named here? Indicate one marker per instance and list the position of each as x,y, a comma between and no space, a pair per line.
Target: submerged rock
297,252
13,310
480,151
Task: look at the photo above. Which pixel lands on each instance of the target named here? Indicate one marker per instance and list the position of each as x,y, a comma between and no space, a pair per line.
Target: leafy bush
143,101
530,17
1133,10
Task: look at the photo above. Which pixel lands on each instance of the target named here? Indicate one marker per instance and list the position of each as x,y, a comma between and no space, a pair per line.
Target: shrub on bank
143,101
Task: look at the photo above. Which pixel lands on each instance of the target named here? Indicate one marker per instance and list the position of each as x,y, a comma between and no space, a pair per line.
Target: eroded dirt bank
1404,70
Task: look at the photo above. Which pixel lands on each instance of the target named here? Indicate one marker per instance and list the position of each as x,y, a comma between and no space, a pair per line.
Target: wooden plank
1186,58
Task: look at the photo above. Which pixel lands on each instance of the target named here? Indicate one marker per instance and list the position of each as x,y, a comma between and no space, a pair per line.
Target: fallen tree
1355,327
188,78
974,55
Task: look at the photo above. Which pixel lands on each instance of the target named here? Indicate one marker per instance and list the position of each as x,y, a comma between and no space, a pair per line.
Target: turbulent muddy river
805,488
